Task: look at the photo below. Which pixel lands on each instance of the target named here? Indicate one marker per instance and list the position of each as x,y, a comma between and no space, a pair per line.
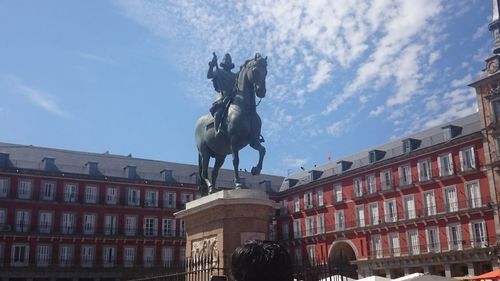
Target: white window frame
311,254
45,222
284,207
320,197
66,253
167,256
424,167
168,227
129,256
186,197
429,199
405,175
357,185
409,209
394,246
88,253
110,224
377,246
308,200
48,190
360,216
20,257
371,183
339,220
43,255
169,199
473,193
479,236
391,214
24,189
68,220
337,189
108,256
91,194
112,195
23,220
182,228
467,159
130,223
386,179
148,256
150,226
70,192
445,167
432,236
454,243
297,231
89,224
450,198
4,187
320,223
309,226
133,197
151,198
413,242
374,218
296,204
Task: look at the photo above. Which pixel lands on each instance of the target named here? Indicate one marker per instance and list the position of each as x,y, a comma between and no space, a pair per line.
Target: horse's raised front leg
219,161
236,163
255,144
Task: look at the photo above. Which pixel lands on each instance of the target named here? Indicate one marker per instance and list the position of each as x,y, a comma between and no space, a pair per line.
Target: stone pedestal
218,223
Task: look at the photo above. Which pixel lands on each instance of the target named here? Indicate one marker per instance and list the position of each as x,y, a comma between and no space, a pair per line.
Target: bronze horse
241,125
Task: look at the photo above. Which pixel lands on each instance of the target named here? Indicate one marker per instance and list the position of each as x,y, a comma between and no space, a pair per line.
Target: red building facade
423,208
67,215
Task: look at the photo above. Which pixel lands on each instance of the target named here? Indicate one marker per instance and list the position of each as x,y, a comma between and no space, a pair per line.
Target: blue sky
130,76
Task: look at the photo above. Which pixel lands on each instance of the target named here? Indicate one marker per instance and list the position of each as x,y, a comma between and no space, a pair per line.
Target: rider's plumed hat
227,61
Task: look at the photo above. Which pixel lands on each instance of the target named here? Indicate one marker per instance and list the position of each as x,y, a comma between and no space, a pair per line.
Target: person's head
260,260
227,62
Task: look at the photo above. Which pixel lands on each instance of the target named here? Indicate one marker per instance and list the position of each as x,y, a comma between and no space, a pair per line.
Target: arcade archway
340,256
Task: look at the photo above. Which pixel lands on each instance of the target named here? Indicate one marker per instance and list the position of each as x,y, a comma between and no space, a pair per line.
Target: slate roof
113,166
430,137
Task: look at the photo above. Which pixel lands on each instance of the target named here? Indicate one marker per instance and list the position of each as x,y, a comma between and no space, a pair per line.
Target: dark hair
260,260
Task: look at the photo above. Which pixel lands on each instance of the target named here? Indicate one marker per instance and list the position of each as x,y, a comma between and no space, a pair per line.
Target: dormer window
344,165
410,145
375,155
451,131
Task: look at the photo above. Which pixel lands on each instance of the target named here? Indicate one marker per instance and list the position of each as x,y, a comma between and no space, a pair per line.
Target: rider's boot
217,122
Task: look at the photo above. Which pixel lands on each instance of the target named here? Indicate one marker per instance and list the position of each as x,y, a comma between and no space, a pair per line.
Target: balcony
429,249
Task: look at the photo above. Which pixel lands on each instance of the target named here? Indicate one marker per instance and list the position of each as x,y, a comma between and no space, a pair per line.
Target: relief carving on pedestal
204,248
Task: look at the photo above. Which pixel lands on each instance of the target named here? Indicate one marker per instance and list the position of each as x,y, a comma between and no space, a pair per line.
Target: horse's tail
200,184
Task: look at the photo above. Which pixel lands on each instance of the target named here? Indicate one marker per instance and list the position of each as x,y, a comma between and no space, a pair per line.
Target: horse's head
257,75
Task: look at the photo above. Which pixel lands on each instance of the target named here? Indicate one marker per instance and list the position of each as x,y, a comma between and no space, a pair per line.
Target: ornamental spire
495,26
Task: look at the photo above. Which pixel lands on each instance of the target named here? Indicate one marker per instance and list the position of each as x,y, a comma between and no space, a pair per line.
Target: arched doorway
340,256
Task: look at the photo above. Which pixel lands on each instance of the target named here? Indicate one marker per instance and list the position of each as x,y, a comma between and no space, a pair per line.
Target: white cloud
40,98
462,82
480,32
377,111
294,162
321,76
93,57
338,128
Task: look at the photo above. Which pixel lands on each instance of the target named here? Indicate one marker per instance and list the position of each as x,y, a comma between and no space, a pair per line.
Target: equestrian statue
233,122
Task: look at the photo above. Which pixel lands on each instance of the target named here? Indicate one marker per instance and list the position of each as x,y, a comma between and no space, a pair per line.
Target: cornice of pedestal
225,198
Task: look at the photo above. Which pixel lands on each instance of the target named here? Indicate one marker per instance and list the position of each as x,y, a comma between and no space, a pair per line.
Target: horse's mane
240,80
